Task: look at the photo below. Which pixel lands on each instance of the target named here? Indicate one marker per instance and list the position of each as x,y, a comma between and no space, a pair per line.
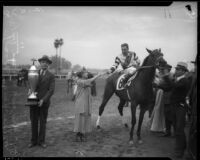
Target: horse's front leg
133,111
120,109
141,117
108,92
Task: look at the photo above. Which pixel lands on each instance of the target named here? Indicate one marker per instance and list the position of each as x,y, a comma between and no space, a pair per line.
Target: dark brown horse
139,92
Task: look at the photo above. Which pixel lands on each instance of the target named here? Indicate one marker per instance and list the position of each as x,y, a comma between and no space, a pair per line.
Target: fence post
4,82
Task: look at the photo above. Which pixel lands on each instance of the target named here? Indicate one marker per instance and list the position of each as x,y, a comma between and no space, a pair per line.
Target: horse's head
155,57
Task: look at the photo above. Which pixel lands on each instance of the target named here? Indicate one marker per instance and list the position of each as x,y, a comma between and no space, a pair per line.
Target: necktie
42,72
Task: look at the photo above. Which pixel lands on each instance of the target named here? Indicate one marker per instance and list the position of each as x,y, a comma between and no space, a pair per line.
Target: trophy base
32,102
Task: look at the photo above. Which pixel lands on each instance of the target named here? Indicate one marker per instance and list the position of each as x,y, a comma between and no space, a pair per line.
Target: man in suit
179,92
38,114
192,137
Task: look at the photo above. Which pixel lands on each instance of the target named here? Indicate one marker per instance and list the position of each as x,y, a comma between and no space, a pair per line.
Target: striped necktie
42,72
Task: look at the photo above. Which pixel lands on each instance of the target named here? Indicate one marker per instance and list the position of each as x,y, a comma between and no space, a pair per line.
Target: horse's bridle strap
128,94
143,67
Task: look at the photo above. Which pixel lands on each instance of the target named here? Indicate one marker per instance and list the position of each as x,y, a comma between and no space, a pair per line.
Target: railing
14,76
61,76
9,76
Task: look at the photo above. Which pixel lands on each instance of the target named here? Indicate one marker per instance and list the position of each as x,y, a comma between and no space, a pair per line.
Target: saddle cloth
120,80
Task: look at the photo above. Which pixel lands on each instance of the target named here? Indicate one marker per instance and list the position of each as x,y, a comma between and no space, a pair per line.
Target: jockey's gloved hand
109,71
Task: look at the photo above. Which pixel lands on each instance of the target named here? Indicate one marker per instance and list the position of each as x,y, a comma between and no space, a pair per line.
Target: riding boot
126,77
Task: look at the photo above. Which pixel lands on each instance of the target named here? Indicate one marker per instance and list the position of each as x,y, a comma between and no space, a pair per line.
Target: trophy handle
33,59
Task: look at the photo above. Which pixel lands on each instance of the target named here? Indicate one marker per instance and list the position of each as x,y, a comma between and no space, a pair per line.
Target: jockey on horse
129,62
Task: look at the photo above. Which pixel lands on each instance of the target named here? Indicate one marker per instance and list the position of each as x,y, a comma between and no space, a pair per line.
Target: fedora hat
45,58
182,65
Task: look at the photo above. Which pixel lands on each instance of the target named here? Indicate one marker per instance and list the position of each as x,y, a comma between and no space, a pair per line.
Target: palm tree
56,45
60,43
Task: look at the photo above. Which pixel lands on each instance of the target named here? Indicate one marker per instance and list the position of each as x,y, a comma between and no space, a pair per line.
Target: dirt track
111,141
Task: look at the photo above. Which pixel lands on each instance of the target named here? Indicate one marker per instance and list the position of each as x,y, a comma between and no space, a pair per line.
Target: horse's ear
159,50
148,50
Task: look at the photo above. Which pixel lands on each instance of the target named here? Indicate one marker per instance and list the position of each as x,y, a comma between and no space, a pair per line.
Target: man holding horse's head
128,60
180,89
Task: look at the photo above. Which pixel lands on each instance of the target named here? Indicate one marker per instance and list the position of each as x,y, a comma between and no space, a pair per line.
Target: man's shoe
166,135
31,145
43,145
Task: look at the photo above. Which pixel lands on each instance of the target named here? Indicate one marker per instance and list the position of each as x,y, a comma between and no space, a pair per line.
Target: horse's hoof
131,142
126,125
140,141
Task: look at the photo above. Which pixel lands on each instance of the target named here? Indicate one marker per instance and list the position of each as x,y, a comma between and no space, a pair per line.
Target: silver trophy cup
33,77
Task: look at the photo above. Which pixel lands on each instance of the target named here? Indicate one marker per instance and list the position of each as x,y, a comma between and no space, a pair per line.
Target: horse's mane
145,61
145,64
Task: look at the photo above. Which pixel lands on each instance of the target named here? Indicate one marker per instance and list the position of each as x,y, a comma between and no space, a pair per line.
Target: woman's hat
45,58
182,65
80,73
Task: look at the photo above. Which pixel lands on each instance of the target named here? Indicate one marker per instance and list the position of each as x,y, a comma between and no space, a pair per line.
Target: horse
139,91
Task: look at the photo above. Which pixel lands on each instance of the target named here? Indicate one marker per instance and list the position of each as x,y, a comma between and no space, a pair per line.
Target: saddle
120,79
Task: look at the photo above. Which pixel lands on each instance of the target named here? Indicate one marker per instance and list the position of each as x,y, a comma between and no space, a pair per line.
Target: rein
143,67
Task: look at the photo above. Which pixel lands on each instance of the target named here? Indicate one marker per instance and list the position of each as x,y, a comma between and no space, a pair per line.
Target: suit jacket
179,91
193,95
166,86
46,86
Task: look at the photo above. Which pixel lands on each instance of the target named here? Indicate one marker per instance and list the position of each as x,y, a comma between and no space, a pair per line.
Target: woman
158,116
83,106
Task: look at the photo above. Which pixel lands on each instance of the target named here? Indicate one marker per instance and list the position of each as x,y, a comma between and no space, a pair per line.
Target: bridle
156,65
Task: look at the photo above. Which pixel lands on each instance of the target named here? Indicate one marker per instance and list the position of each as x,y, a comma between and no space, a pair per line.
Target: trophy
33,77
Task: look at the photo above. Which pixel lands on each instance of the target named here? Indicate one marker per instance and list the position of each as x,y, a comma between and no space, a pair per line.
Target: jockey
128,60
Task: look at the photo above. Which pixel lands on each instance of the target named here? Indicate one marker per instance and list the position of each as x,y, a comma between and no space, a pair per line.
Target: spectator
179,92
192,137
157,120
83,106
38,114
166,87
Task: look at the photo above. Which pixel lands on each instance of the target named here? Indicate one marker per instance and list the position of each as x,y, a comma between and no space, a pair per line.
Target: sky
93,35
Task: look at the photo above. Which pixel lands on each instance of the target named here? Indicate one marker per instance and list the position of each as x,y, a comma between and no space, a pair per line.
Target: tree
56,45
76,67
60,44
65,63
